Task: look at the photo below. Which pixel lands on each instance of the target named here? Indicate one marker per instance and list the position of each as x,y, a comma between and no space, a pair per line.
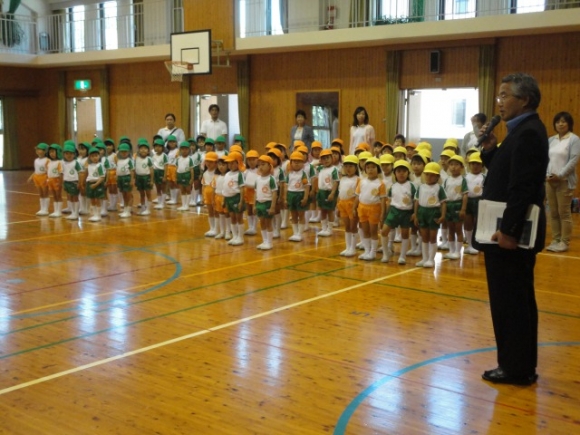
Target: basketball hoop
178,69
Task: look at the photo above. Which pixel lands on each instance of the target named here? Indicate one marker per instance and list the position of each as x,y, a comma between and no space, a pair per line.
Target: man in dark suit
516,174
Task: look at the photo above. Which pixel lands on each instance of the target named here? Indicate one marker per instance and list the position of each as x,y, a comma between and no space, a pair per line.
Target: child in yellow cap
315,151
456,190
430,208
208,180
474,178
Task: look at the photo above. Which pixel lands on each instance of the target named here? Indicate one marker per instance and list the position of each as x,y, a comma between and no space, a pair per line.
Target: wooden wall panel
217,15
459,68
554,60
140,96
358,74
15,80
223,80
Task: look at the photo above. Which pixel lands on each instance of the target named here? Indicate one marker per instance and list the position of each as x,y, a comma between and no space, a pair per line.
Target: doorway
1,135
435,115
85,119
229,113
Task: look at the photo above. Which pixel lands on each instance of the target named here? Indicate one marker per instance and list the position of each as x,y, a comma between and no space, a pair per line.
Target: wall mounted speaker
435,62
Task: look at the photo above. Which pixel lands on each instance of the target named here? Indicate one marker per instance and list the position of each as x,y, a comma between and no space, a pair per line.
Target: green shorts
158,175
232,203
262,209
184,178
399,218
294,199
71,188
472,206
453,209
323,202
97,193
143,182
124,183
426,217
196,173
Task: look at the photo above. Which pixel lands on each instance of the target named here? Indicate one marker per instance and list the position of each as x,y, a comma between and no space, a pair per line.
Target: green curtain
417,12
393,92
244,97
359,13
10,134
486,79
13,6
561,4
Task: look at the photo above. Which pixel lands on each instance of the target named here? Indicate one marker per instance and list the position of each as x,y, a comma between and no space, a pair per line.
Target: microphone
494,121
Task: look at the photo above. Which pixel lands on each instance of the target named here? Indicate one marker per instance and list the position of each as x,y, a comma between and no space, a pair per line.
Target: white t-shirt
177,132
213,129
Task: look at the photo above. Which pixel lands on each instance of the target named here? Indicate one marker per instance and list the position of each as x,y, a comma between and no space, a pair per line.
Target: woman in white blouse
361,131
561,180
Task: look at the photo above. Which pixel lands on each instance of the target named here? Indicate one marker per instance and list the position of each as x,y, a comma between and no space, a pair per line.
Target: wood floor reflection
144,326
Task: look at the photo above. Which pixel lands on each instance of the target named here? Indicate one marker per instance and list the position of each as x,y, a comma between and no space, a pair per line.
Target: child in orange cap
298,189
208,180
233,192
223,220
250,176
266,189
39,178
276,156
326,194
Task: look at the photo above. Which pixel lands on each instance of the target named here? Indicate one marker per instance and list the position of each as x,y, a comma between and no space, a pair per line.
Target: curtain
392,104
244,98
417,11
10,134
284,15
486,79
105,103
561,4
359,13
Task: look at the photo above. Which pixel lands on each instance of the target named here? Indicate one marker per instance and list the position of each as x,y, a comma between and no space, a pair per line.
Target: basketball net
178,69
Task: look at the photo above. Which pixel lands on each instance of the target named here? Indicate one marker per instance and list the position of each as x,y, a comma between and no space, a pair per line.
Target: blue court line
360,398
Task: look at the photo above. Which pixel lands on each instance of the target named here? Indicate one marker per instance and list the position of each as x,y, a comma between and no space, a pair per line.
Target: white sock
432,251
404,247
468,236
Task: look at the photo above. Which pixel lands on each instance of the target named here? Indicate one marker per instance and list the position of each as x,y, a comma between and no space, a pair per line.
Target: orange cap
252,153
325,152
297,155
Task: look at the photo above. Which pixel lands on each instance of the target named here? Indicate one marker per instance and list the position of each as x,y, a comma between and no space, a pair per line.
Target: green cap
158,142
101,146
109,141
69,142
210,141
124,139
85,144
219,139
142,140
144,144
69,148
93,150
42,146
97,140
191,139
124,147
171,138
184,145
239,138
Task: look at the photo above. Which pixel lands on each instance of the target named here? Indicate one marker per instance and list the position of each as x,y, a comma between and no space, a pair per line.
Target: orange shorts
369,213
54,184
112,177
249,196
345,207
208,195
171,174
39,180
218,204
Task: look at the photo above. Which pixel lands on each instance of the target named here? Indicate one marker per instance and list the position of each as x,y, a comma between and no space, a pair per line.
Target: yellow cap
364,155
458,158
373,160
448,152
351,159
403,163
475,158
316,144
387,159
424,146
432,168
402,150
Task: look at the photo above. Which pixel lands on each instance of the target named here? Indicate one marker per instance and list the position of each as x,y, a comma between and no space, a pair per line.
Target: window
109,14
77,28
457,9
526,6
458,113
393,9
321,124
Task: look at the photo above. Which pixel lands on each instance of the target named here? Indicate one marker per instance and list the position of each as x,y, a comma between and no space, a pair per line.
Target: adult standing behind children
171,129
214,126
360,131
300,131
517,170
471,138
561,180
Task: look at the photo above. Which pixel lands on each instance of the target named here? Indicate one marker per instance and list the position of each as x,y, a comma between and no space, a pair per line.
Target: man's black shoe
499,376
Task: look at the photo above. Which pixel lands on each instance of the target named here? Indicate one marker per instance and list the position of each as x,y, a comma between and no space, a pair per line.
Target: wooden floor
143,326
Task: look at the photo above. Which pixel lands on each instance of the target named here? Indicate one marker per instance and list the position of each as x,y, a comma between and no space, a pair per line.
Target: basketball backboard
192,47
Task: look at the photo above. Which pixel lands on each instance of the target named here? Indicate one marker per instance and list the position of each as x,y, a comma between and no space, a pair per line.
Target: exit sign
82,85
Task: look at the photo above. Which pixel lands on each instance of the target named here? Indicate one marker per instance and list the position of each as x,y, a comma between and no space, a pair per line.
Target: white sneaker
450,255
314,220
560,247
385,259
428,264
420,263
350,253
95,218
210,233
125,214
444,246
552,245
266,247
183,208
260,246
250,232
324,233
236,242
171,202
228,235
397,239
414,253
359,246
276,235
155,201
158,207
145,212
219,236
470,250
402,261
295,238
